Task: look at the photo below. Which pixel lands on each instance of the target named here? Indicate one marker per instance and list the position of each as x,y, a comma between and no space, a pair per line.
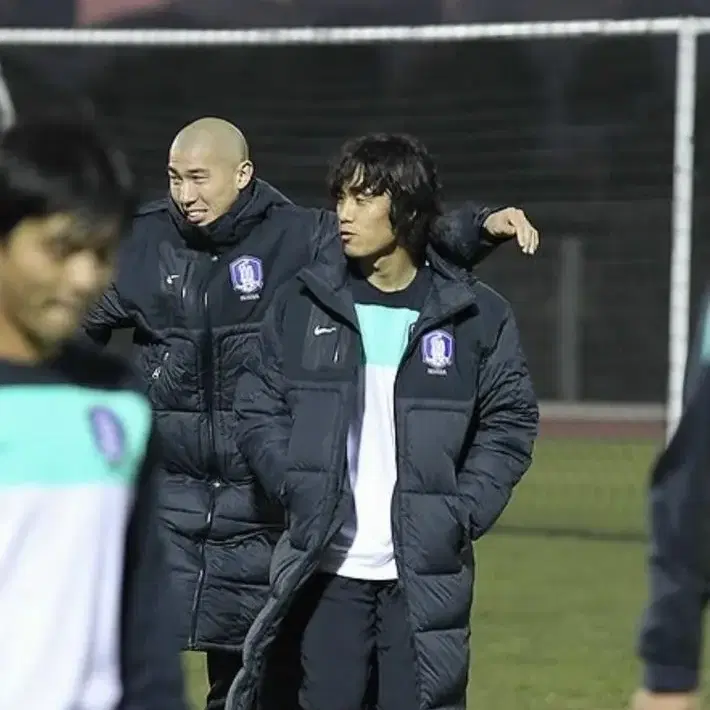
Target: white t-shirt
363,548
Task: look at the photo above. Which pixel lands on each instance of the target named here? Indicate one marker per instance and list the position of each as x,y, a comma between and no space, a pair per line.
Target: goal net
587,125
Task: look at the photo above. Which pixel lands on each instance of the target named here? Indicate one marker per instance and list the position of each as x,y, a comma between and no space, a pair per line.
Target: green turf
554,620
585,487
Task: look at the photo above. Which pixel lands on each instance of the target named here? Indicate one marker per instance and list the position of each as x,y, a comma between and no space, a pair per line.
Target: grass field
555,616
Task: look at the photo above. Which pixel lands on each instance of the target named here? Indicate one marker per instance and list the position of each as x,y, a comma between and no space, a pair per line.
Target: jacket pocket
327,343
157,371
151,362
463,519
284,496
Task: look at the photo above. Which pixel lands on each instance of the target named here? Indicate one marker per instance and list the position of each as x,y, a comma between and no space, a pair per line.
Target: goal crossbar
685,29
350,35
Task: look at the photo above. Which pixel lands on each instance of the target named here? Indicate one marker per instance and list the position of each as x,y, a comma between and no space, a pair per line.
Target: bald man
194,280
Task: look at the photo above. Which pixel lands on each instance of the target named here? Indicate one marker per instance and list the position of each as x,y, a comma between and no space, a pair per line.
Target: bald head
208,167
213,136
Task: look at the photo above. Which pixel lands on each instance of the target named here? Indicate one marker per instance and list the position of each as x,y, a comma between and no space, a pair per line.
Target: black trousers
345,645
222,667
356,646
281,683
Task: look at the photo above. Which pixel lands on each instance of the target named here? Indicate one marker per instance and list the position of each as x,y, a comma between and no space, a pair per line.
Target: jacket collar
248,210
452,288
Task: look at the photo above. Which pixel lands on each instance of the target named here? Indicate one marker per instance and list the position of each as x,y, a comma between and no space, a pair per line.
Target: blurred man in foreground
84,602
679,566
195,280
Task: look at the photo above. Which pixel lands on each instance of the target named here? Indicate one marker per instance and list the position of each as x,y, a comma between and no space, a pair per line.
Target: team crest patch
109,434
437,351
247,276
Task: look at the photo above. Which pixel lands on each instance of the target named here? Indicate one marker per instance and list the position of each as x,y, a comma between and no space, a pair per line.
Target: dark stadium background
577,131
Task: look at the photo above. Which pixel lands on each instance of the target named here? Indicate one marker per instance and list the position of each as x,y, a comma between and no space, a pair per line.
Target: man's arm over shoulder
464,236
505,423
460,237
260,400
467,235
671,637
150,656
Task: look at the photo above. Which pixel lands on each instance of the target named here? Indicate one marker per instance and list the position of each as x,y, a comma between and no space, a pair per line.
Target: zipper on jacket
158,370
207,381
396,543
416,331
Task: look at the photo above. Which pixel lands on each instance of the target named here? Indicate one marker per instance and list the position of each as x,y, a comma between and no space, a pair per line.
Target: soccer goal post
683,31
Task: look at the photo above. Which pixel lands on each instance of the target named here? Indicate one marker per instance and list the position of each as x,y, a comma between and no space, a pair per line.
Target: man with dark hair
195,280
83,594
389,407
679,564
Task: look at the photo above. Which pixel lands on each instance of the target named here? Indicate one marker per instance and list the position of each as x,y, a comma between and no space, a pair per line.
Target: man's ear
244,174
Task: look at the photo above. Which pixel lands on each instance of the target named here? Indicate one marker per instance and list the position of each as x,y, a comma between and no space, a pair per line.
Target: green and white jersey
70,455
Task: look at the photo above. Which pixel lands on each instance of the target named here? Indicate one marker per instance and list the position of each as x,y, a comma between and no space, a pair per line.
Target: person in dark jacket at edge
679,566
390,409
84,602
194,281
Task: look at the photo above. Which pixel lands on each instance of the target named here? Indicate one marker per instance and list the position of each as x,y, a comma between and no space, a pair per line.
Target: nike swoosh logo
322,330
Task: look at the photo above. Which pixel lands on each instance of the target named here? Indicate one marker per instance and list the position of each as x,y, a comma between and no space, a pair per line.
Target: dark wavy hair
61,164
399,166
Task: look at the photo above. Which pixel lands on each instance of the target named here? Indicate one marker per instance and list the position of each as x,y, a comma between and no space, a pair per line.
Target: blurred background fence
577,130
